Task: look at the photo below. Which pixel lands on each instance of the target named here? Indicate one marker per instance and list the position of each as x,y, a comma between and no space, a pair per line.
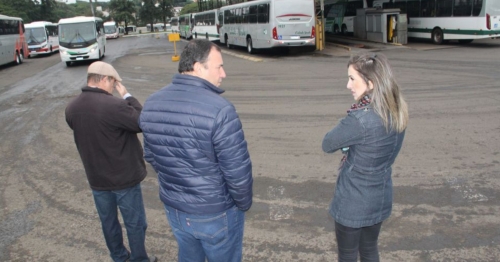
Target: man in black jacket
105,131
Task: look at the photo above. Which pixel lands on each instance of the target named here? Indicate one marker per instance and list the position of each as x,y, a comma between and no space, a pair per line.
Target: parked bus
13,46
340,15
205,25
81,38
440,21
186,25
111,30
131,28
268,24
41,37
174,23
157,27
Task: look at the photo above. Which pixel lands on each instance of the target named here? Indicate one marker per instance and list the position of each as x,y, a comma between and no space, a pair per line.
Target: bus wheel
249,45
19,58
206,35
336,29
196,35
343,30
227,42
437,36
68,64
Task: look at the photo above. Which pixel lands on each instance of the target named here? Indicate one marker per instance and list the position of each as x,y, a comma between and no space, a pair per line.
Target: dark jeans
350,241
131,206
215,237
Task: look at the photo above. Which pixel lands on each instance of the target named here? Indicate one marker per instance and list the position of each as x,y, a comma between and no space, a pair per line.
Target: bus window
428,8
252,16
444,8
263,13
477,6
462,8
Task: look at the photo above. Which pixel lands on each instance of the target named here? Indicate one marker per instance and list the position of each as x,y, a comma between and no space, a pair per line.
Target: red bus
13,46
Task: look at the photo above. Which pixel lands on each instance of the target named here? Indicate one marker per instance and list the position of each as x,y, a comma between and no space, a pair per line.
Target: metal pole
92,7
322,3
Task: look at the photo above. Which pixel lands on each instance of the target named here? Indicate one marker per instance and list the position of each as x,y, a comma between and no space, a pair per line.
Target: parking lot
447,197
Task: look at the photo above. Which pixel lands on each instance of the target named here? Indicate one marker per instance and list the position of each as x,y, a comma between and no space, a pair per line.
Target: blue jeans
216,237
131,206
364,240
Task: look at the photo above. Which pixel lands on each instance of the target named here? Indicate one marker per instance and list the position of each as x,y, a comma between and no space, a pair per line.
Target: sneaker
152,258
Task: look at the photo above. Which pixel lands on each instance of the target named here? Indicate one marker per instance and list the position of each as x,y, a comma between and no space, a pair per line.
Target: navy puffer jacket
194,140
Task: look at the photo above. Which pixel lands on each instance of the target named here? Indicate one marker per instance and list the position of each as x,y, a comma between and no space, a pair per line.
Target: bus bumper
80,54
299,42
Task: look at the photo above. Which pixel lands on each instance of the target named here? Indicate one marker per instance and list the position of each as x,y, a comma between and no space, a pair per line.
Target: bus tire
250,46
206,35
336,29
196,35
19,57
68,64
227,42
437,36
344,29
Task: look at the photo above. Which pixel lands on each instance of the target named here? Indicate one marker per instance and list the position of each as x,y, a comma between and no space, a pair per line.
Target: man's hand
120,88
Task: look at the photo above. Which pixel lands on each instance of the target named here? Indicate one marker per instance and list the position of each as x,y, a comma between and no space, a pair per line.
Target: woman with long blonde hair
370,137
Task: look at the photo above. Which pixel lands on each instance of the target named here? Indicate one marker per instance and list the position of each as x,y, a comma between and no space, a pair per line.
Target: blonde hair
386,97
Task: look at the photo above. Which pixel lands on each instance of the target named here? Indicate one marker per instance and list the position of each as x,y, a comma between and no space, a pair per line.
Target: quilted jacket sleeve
233,157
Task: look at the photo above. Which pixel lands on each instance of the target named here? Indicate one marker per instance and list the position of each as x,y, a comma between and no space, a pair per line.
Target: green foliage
166,10
189,8
149,13
122,11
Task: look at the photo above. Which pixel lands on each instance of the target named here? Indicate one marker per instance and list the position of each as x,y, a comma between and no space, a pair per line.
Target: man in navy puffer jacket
194,140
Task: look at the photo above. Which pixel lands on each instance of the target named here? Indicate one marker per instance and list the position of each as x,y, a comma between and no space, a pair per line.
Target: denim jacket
363,193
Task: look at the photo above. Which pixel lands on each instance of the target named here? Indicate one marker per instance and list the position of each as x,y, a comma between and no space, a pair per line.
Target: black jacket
105,131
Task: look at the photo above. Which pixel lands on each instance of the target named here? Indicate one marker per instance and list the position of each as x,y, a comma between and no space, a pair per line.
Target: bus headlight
93,48
63,51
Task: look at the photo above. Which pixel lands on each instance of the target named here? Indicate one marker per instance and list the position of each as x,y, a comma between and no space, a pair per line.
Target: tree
166,11
122,11
28,10
149,13
46,10
189,8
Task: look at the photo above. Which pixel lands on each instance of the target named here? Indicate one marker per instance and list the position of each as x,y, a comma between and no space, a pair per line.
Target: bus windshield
77,34
284,9
109,29
35,36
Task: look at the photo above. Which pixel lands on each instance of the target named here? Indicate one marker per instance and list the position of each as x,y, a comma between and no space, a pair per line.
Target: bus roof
79,19
38,24
10,17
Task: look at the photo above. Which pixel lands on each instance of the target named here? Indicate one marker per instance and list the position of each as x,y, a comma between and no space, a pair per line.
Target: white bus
111,30
81,38
41,37
174,23
268,24
340,15
205,25
157,27
443,20
13,46
186,25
